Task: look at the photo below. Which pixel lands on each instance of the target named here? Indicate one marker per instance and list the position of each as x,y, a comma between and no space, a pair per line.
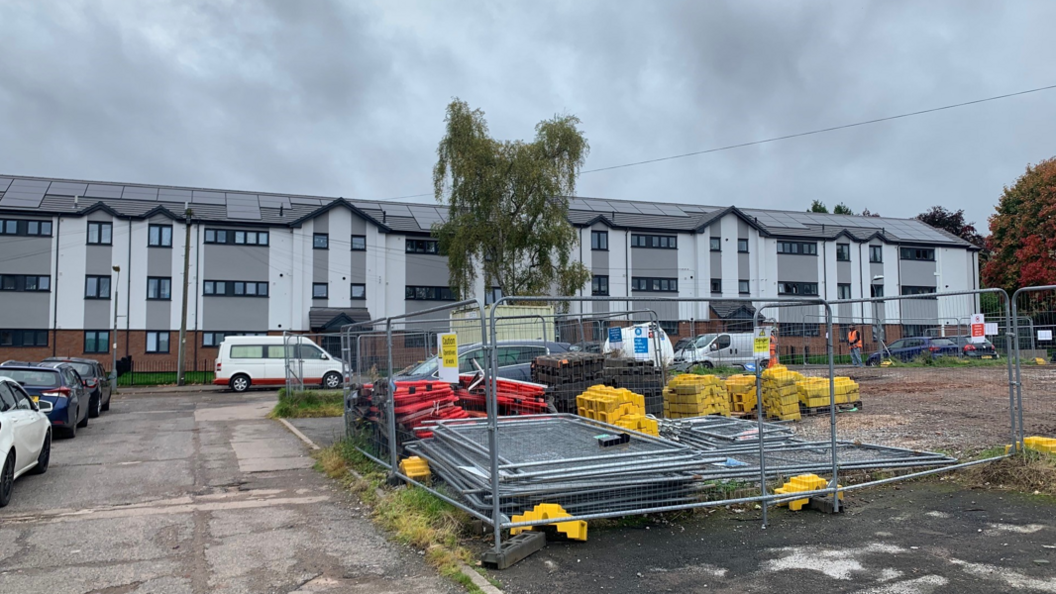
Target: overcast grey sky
347,98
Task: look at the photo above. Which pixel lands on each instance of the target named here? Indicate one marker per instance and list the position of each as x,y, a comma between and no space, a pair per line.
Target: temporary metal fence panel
1034,309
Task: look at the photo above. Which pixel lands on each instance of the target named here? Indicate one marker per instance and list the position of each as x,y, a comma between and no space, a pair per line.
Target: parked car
975,350
59,386
95,379
515,359
590,346
245,361
908,349
25,436
721,349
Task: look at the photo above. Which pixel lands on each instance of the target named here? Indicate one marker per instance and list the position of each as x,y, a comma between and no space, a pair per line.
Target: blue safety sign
615,335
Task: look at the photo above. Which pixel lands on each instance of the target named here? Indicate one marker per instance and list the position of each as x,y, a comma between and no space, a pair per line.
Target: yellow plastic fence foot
415,468
573,530
803,483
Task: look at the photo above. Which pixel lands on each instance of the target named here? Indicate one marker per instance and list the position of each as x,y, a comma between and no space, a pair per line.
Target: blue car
58,384
908,349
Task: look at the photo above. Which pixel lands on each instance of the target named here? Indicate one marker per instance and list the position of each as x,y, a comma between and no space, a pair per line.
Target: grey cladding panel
24,255
792,268
843,272
97,312
159,262
27,310
226,313
427,271
234,262
159,316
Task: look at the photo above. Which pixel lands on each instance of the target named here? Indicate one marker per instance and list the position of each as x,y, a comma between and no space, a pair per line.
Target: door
316,362
79,397
275,364
104,383
721,351
27,427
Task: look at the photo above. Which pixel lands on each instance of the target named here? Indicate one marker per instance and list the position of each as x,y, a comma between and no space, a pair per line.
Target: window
25,227
97,341
492,295
804,248
666,242
599,240
799,329
743,287
25,282
234,288
876,290
213,339
910,290
843,291
843,252
716,244
100,233
599,285
247,351
716,285
423,246
790,288
359,243
876,254
157,342
359,291
639,283
97,287
159,287
159,236
231,236
23,338
320,290
926,254
669,327
742,246
321,241
429,294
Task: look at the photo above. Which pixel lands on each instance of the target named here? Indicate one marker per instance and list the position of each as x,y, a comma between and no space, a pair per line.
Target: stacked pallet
616,406
691,395
741,388
641,377
814,391
567,375
780,395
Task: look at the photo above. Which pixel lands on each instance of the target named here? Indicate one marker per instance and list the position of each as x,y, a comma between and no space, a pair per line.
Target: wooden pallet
824,410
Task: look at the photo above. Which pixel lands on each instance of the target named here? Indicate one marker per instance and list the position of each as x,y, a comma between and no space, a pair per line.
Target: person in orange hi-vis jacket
854,338
773,349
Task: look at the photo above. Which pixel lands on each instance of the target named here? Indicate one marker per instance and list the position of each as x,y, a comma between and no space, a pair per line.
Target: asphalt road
194,493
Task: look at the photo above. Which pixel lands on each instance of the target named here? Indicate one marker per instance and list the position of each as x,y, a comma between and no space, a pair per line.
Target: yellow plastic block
803,483
574,530
415,468
1040,444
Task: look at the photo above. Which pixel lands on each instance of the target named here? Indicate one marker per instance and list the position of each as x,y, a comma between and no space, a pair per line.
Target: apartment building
264,263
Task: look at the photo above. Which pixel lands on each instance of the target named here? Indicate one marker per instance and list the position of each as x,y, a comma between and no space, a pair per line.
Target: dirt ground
955,410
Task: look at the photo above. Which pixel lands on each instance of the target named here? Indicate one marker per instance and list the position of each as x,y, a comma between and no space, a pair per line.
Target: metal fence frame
1017,439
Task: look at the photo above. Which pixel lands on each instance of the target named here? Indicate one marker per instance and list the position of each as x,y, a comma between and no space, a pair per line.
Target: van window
309,351
247,351
723,341
275,351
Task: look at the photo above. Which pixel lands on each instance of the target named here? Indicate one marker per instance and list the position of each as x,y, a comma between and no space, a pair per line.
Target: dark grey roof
76,197
320,318
733,310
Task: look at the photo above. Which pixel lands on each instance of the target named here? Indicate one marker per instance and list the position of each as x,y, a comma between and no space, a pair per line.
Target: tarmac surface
185,492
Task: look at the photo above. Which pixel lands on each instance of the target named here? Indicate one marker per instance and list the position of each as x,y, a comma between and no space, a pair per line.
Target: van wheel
332,380
707,365
240,383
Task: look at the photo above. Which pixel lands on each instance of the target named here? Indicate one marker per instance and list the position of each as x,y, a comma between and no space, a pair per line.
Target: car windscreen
42,378
427,367
84,369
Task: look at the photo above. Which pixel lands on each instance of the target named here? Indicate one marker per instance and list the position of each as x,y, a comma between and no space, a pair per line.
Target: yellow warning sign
761,344
447,346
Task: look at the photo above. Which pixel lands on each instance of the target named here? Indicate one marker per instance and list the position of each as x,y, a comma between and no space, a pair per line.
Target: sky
348,98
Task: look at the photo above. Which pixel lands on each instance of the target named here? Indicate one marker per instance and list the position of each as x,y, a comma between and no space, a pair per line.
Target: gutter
55,293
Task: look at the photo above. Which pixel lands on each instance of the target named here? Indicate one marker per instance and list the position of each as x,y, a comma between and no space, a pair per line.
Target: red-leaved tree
1023,232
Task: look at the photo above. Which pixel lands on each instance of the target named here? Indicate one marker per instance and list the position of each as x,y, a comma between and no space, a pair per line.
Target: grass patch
1030,472
947,362
412,515
304,404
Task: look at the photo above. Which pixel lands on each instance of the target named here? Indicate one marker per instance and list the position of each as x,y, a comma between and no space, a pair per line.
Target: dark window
157,342
25,227
359,243
843,291
911,290
639,283
876,254
804,248
97,341
321,241
716,244
799,329
429,294
716,285
159,236
320,290
25,282
742,246
843,252
234,288
790,288
100,233
599,285
666,242
423,246
492,295
159,287
23,338
926,254
359,291
743,288
232,236
213,339
669,327
97,287
599,240
876,290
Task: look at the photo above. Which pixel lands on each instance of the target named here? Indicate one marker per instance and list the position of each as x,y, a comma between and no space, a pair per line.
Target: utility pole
186,281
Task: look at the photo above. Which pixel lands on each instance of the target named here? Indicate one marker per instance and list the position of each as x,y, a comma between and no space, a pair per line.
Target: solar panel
274,201
24,193
103,191
648,208
202,197
624,207
397,210
65,188
173,195
139,193
307,201
671,210
4,182
244,211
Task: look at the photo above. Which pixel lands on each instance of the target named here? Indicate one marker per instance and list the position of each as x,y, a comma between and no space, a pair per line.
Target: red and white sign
978,328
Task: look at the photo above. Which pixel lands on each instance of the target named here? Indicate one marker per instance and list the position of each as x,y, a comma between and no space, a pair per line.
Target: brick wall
70,343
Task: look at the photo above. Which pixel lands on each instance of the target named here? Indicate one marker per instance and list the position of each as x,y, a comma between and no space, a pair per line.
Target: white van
723,349
654,336
246,361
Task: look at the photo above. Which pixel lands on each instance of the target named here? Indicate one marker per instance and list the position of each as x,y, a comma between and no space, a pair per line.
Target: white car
25,436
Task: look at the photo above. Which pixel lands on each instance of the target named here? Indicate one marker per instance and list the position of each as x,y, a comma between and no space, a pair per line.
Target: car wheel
7,478
240,383
332,380
95,406
44,459
84,423
69,431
